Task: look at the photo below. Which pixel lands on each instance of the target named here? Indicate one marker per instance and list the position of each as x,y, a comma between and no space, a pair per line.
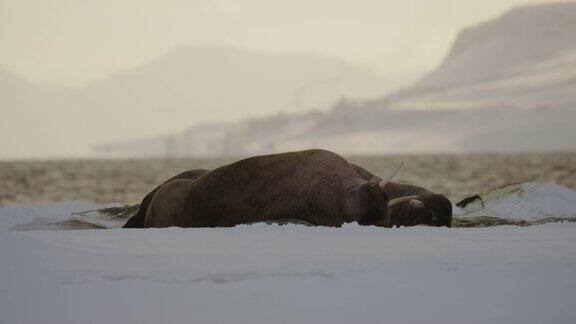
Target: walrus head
371,203
432,210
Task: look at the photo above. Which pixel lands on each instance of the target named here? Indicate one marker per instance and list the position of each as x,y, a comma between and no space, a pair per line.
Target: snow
17,216
288,274
263,274
548,83
520,38
525,200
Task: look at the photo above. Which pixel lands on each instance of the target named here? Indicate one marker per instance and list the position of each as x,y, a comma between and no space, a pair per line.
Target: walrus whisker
391,176
398,200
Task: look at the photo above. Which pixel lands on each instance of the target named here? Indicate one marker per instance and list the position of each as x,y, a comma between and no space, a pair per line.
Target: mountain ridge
486,50
187,85
528,106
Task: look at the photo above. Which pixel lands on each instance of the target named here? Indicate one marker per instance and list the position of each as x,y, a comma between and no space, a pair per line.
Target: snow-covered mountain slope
507,85
550,83
524,59
518,39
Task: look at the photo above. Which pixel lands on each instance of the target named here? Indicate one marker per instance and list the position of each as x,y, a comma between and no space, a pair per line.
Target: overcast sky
70,42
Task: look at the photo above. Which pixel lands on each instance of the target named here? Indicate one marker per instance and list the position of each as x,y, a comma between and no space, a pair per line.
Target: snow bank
290,274
525,200
45,216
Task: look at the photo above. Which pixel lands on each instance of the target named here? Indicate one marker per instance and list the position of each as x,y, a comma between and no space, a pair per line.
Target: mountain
186,86
549,83
520,38
200,84
15,91
507,85
26,110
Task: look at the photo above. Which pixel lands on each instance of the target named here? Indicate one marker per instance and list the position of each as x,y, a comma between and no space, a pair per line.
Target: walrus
137,221
425,203
318,187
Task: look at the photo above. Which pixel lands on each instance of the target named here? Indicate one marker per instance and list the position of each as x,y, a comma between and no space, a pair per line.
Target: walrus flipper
136,221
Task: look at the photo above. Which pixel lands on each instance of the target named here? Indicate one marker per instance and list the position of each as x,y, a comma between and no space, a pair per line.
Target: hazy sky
69,42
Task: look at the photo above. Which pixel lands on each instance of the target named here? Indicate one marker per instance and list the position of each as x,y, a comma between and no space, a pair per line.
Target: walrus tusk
391,176
398,200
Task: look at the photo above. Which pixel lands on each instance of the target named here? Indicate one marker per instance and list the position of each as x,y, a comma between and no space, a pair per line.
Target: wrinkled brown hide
137,221
430,208
316,186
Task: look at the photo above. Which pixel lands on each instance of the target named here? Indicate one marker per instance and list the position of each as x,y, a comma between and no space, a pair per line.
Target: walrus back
137,221
308,185
168,204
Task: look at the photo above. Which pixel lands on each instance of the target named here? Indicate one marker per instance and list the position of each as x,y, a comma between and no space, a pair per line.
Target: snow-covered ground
524,200
290,274
282,274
